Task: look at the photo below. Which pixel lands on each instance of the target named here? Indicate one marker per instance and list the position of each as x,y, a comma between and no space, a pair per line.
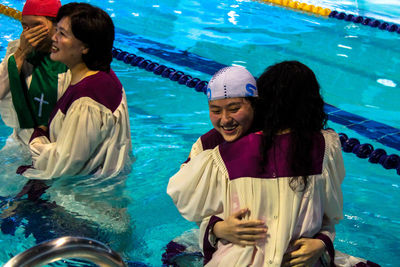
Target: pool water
357,67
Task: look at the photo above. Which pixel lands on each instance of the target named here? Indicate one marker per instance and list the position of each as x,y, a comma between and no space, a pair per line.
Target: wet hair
257,123
289,98
94,27
52,19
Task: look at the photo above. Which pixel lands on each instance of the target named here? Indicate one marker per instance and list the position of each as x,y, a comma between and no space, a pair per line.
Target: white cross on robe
41,101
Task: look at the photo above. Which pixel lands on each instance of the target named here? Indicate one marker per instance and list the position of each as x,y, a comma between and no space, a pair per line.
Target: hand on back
307,252
240,231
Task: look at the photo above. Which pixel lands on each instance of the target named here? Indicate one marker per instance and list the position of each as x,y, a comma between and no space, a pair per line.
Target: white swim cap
229,82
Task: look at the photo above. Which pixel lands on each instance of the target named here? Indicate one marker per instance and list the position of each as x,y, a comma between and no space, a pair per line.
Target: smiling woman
67,48
230,105
231,117
89,127
286,176
83,44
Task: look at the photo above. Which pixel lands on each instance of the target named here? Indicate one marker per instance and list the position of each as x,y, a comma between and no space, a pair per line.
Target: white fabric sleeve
7,111
334,174
197,189
197,148
205,231
4,81
85,126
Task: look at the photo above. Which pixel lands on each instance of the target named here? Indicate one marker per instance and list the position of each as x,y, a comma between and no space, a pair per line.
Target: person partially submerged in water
286,176
88,129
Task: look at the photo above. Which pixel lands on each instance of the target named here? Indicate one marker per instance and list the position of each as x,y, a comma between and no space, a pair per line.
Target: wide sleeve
85,126
198,188
7,110
197,148
333,198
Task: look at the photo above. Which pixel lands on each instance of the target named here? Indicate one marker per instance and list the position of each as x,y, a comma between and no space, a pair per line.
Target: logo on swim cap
251,90
209,93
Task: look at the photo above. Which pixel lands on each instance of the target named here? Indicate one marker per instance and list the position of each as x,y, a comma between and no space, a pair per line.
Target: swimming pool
358,69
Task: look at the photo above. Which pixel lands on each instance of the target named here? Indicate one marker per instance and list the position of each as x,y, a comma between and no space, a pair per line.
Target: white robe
202,188
209,141
87,138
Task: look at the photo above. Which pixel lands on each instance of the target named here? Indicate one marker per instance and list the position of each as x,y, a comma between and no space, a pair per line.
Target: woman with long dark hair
290,102
288,175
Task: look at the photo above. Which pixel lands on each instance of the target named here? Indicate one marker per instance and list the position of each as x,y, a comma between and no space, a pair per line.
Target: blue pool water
357,67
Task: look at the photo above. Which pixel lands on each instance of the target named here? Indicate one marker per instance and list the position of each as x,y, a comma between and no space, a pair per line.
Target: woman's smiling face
231,117
66,47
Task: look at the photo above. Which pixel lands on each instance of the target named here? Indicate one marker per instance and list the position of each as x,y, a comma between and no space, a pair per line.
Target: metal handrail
65,248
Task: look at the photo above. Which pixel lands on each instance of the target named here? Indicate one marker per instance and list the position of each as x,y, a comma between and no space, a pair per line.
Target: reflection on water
71,206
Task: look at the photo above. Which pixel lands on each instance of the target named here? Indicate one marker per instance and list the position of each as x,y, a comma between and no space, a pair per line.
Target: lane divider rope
300,6
374,23
364,151
164,71
296,5
348,144
11,12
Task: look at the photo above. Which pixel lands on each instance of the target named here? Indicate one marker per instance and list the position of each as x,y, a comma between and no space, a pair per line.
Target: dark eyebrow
234,104
228,106
213,106
61,28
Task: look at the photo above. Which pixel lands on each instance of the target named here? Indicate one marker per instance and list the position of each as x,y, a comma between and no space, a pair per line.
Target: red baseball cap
47,8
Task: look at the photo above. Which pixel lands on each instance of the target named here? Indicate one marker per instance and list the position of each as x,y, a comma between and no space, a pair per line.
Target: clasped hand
239,231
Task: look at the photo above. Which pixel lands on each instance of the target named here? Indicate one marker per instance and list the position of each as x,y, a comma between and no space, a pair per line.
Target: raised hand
31,37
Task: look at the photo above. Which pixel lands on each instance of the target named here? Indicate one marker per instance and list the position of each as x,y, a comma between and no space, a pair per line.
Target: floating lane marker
300,6
374,23
11,12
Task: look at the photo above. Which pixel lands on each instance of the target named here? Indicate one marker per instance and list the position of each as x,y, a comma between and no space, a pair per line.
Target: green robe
34,105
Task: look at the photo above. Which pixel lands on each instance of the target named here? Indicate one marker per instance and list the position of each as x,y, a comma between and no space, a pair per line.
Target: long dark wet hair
289,98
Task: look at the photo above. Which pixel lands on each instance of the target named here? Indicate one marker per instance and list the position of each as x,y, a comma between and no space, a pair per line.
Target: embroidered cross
41,101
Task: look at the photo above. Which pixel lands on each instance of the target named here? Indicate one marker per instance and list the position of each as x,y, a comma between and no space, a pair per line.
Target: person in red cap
30,82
